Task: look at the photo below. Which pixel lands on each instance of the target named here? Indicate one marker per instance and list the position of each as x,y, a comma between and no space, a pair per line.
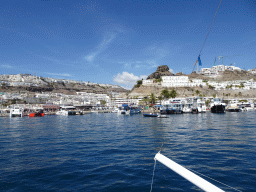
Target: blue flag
199,61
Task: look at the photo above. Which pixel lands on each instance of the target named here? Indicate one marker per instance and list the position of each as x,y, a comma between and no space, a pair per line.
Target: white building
216,70
147,82
181,81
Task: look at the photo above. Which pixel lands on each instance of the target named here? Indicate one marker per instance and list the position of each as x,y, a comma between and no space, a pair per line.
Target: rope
213,179
153,176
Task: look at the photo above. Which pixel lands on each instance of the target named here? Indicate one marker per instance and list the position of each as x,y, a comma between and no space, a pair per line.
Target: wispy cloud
6,66
107,39
60,74
127,79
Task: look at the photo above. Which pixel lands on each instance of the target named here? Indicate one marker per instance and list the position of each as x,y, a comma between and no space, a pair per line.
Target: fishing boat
37,114
16,112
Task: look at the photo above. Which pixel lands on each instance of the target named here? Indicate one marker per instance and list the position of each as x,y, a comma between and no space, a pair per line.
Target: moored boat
163,116
16,112
150,115
66,113
233,107
217,106
37,114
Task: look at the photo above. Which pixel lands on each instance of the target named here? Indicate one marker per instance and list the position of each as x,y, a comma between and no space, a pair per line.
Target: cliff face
162,70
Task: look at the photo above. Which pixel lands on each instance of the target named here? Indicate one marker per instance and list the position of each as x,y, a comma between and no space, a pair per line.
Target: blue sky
120,42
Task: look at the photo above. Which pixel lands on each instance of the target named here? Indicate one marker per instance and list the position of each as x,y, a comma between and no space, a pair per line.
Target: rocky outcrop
162,70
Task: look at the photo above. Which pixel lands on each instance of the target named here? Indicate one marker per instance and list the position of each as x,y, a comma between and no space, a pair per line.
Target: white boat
16,112
62,112
246,106
123,111
66,113
186,110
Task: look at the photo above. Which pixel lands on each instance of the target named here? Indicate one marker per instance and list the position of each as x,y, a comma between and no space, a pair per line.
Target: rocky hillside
30,85
192,91
197,91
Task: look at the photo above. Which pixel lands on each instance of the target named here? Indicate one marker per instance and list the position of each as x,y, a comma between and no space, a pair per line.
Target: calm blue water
110,152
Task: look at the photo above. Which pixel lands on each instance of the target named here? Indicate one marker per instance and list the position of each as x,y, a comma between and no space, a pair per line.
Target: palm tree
152,99
165,94
160,98
145,100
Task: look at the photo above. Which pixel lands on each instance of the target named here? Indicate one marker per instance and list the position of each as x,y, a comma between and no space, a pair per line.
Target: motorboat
246,106
16,112
135,110
150,115
162,116
37,114
62,112
233,107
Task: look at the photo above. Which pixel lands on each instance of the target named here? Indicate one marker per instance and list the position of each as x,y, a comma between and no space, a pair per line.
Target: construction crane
221,57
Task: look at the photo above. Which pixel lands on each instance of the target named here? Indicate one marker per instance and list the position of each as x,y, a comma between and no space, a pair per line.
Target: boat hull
150,115
36,115
234,110
218,109
171,111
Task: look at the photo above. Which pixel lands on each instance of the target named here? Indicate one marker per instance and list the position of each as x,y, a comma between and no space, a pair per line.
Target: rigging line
213,179
210,28
208,32
153,176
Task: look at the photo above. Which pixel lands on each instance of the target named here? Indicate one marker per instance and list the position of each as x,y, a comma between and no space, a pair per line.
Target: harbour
112,152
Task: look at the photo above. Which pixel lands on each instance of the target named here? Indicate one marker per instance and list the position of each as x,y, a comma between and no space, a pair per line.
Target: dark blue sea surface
111,152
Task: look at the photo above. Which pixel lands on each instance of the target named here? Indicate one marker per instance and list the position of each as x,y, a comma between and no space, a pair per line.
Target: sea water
111,152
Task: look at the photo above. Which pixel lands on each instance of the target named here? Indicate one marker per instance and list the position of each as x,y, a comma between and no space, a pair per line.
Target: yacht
246,106
233,106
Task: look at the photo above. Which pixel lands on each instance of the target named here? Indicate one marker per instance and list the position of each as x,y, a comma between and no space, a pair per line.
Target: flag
199,61
214,61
